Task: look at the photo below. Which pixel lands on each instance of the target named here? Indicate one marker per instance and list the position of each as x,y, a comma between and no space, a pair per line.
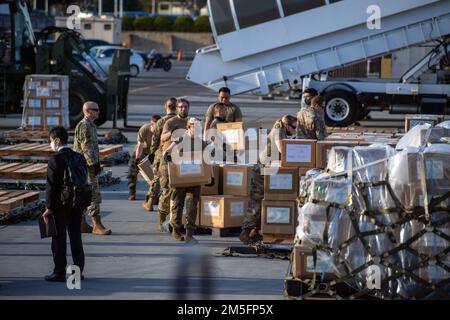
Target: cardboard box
234,134
303,264
222,211
298,153
193,172
323,148
412,120
278,217
236,180
282,185
146,170
214,189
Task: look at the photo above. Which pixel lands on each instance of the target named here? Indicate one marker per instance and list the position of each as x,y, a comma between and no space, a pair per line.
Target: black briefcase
48,230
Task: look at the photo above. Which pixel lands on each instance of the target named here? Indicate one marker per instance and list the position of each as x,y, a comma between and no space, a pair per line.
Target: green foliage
183,24
202,24
143,23
162,23
127,23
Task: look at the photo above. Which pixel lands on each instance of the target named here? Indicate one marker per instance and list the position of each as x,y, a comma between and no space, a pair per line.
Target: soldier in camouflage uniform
86,143
156,155
283,128
175,123
311,121
144,141
189,196
234,113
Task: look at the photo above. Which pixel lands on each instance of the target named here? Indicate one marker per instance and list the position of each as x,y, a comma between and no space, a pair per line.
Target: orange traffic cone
180,56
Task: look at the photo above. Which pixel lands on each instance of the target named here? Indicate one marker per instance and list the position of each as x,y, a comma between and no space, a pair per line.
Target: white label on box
435,169
34,121
321,266
237,209
231,136
278,215
53,121
52,103
281,181
211,208
34,103
43,92
298,152
235,178
190,168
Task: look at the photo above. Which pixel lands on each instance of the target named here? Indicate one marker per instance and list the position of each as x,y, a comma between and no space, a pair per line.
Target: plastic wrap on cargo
362,156
306,181
413,138
333,190
444,124
437,164
338,159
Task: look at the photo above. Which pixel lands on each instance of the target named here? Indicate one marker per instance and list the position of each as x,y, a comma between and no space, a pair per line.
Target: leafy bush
183,24
162,23
127,23
201,24
143,23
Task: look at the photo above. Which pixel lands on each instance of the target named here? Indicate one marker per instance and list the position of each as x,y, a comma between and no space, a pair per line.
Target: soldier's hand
97,169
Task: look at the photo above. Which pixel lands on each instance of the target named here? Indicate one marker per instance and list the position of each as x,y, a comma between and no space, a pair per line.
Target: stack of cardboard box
46,102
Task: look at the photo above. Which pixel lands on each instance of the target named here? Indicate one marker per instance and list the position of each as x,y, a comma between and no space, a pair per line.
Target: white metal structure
104,56
262,44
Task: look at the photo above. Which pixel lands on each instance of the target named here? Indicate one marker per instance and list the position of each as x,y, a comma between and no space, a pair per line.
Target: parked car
104,56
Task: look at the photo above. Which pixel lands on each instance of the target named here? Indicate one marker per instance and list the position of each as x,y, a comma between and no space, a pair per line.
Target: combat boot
85,227
160,226
189,238
148,205
176,234
245,236
98,227
132,194
254,236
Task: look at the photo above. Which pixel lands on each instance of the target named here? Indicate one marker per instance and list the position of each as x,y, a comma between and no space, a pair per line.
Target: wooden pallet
44,150
10,200
43,134
278,239
23,171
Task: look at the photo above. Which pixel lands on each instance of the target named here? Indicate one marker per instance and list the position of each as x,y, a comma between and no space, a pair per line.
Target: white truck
262,46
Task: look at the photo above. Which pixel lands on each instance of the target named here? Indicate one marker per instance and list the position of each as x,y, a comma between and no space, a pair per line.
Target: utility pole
115,8
153,7
100,7
121,8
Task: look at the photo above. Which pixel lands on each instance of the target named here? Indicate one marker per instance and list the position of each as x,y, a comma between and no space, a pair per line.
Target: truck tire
81,91
341,108
134,70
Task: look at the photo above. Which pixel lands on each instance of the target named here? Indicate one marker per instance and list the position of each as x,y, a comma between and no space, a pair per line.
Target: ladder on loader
264,44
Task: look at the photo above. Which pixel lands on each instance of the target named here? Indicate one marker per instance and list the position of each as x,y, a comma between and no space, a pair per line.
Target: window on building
107,27
253,12
291,7
87,26
221,13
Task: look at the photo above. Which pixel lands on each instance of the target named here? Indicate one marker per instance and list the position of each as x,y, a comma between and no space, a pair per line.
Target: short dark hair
225,89
171,103
156,117
183,101
60,133
311,91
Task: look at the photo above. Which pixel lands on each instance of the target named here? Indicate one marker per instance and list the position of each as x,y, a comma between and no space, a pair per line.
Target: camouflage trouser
177,199
94,208
252,218
164,198
132,177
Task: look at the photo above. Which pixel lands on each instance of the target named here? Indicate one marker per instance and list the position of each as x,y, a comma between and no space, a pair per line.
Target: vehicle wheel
167,66
81,91
341,108
134,70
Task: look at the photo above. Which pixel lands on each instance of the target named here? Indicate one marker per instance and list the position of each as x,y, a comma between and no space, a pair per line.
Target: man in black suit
67,218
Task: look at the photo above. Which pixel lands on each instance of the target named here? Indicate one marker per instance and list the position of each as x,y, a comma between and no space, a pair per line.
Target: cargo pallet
10,200
43,134
23,171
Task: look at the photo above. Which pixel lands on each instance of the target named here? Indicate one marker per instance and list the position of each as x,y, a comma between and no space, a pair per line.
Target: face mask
307,102
53,146
182,115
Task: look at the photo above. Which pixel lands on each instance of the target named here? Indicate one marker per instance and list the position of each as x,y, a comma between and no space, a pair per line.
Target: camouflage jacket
311,124
156,147
85,141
